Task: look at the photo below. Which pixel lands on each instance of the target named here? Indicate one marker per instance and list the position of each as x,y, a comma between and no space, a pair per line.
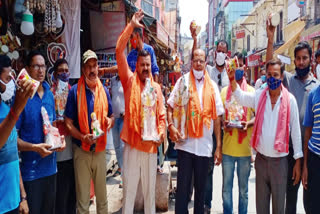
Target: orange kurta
126,76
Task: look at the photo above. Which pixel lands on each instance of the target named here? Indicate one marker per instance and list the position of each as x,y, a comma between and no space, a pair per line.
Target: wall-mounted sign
240,34
284,59
301,3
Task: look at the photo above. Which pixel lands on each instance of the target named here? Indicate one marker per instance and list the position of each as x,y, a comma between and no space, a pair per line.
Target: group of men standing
273,118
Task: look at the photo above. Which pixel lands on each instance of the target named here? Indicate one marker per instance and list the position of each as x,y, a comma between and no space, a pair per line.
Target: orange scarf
100,108
196,118
135,105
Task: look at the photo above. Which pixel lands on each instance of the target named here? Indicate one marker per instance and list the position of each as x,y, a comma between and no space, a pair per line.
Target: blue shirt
312,119
30,126
9,168
133,56
71,110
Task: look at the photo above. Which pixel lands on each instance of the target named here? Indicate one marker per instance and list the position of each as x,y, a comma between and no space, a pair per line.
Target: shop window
146,6
157,13
317,11
248,43
280,29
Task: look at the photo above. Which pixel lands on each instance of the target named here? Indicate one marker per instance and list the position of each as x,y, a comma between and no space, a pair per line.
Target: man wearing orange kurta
139,157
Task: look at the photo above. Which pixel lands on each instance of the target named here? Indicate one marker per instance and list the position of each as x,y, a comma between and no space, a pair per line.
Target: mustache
145,71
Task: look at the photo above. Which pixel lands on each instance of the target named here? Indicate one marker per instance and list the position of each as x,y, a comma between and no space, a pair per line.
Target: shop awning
131,9
290,42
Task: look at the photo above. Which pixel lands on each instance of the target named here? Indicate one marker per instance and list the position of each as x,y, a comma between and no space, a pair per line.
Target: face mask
239,74
134,43
273,83
220,57
263,78
64,77
9,92
302,72
198,74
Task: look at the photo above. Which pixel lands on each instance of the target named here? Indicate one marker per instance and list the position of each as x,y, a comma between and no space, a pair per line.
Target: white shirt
214,75
270,121
199,146
117,97
318,71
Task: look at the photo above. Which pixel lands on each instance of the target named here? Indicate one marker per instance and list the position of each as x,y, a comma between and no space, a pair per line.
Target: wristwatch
23,198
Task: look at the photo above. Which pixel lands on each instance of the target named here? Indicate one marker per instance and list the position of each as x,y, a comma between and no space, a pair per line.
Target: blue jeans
243,173
117,142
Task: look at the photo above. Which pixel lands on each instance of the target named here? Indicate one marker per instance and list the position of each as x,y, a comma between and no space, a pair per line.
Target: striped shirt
312,119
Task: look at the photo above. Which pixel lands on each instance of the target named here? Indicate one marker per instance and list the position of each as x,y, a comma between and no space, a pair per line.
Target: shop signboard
114,6
253,60
310,36
240,34
284,59
106,28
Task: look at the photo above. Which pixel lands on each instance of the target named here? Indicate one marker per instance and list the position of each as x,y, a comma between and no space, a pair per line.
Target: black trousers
312,194
292,191
66,193
41,195
189,164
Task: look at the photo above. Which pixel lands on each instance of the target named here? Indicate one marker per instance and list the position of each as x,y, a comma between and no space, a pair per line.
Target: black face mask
303,72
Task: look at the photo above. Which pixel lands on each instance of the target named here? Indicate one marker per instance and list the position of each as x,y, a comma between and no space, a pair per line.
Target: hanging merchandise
27,27
52,17
56,51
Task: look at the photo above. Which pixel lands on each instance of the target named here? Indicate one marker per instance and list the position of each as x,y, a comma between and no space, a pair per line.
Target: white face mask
197,74
9,91
220,57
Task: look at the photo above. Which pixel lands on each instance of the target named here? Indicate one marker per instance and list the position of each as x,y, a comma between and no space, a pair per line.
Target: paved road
115,193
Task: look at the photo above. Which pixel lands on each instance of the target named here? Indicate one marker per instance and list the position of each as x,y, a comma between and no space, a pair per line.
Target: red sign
240,34
310,36
253,60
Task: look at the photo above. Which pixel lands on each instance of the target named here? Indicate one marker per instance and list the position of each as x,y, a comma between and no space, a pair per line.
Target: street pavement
115,193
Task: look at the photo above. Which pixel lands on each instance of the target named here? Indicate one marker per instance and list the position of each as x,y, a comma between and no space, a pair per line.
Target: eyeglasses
219,79
38,67
198,61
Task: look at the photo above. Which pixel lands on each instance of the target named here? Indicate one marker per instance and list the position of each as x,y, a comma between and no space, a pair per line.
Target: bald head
199,52
199,60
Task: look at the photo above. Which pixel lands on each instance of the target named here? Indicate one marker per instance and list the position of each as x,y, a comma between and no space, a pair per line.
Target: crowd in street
222,119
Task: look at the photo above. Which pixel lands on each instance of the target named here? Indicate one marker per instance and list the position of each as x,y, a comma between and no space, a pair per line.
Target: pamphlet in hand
51,134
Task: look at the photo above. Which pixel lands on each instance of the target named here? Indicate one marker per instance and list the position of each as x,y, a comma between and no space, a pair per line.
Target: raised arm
123,68
270,35
10,120
243,98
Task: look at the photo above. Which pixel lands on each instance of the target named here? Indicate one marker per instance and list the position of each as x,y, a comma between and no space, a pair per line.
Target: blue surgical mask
263,78
239,74
273,83
302,72
64,77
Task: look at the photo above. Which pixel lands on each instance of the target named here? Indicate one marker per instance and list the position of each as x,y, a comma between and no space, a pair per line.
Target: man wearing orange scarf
84,98
139,157
204,108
